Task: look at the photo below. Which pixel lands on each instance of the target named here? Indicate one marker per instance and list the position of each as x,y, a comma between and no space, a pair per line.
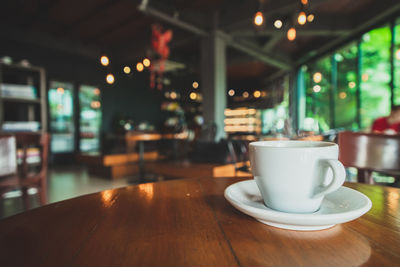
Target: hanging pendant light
302,18
258,18
291,34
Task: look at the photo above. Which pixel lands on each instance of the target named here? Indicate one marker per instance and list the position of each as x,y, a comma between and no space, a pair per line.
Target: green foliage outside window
396,62
318,92
345,96
333,100
375,75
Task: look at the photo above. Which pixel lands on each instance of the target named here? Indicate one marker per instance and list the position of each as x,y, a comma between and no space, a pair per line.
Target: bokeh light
146,62
258,18
110,79
139,67
127,69
317,77
291,34
104,61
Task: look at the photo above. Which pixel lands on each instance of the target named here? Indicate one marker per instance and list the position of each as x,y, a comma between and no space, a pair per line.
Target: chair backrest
8,155
375,152
34,148
208,132
212,152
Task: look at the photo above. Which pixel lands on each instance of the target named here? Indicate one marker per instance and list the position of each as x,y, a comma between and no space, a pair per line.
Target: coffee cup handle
339,175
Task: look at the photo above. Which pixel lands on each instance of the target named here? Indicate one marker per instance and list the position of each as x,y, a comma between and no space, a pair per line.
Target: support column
297,99
213,81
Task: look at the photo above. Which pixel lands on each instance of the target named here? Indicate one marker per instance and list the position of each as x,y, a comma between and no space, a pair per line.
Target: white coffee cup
294,176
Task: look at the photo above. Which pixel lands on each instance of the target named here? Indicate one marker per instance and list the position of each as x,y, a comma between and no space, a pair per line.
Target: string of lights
300,18
110,78
140,66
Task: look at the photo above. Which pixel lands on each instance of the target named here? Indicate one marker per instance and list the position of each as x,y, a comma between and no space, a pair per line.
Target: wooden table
136,136
189,223
140,137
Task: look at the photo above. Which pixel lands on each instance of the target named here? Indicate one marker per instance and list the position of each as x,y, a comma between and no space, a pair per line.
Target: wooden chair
33,174
28,174
8,164
370,152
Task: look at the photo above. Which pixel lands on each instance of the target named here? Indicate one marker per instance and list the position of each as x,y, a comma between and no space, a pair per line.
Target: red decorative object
159,44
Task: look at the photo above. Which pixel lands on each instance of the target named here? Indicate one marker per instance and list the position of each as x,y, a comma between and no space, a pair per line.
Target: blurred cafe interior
101,94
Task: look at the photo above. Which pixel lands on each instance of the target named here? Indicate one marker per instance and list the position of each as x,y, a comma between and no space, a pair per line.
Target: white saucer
341,206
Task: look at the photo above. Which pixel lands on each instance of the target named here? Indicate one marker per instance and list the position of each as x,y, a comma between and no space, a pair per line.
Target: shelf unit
245,121
18,109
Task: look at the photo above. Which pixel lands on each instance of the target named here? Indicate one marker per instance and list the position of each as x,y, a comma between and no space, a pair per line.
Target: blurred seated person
389,124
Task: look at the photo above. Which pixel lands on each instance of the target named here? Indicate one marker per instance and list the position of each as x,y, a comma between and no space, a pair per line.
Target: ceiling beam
143,7
300,32
256,52
237,18
239,45
272,10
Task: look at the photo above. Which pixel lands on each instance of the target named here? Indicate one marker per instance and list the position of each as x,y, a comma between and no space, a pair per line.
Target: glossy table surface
189,223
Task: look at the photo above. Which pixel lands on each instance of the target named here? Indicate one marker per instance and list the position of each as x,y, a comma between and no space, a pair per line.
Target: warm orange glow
96,91
139,67
317,77
342,95
364,77
173,95
352,84
239,112
310,18
245,94
393,200
110,79
398,54
302,18
258,18
104,60
257,94
278,24
146,62
60,90
240,121
317,88
291,34
195,85
95,104
193,95
242,128
107,198
231,92
147,190
304,2
127,69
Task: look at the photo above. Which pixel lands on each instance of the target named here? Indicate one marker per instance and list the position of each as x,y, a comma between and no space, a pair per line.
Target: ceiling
122,31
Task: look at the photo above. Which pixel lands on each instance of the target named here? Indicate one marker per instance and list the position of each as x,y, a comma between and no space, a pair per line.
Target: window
345,95
318,91
375,75
396,63
352,87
